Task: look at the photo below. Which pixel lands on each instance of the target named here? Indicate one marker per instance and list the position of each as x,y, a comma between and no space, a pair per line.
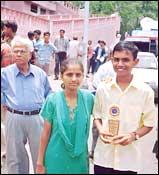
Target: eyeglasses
20,51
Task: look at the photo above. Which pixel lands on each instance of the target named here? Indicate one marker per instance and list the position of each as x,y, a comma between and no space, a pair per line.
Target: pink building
99,28
41,7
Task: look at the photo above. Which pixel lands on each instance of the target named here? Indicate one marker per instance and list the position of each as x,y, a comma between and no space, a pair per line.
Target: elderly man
24,88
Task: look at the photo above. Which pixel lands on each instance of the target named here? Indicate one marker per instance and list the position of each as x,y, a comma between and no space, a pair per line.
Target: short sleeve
149,117
31,45
4,85
48,109
97,109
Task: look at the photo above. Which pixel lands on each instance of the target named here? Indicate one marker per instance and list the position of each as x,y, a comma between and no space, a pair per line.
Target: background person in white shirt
104,72
73,48
82,50
130,101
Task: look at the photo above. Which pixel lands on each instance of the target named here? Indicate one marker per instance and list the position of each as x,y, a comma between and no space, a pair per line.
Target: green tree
130,11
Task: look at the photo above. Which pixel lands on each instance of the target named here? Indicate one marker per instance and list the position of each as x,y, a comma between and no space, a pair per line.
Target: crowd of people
56,125
44,50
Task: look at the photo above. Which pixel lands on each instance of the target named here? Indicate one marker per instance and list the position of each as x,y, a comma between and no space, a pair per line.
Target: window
42,11
52,12
34,8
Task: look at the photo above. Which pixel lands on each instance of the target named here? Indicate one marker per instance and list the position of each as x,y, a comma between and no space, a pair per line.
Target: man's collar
31,70
134,82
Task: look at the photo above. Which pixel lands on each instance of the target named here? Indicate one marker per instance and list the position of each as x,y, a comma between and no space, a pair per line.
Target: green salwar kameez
67,150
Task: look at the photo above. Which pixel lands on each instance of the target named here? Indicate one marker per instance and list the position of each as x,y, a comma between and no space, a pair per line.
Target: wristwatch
136,135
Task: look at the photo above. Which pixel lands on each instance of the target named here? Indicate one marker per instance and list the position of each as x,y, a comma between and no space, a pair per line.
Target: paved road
149,163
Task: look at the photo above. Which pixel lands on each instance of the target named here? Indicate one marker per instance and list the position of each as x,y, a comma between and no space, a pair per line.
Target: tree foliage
130,11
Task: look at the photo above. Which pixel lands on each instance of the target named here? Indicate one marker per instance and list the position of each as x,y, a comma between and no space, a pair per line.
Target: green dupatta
82,120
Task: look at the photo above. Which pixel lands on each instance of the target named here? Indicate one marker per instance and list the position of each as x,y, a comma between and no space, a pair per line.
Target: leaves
130,11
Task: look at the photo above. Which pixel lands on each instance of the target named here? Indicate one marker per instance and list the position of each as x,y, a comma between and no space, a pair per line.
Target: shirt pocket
38,94
131,119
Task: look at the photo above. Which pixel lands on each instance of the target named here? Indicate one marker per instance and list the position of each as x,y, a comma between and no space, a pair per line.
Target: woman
63,147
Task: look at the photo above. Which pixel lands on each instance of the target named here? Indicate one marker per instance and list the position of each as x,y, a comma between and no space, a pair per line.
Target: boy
127,103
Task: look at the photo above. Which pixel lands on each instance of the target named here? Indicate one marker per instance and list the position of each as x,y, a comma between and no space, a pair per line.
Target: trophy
113,120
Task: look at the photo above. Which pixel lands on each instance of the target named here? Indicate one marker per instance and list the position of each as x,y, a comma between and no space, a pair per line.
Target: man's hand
106,137
123,140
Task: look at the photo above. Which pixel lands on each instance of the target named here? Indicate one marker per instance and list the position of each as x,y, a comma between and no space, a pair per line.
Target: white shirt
73,49
62,44
136,104
105,71
31,45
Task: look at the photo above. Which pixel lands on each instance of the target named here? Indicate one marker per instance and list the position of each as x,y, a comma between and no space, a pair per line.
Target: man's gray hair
20,41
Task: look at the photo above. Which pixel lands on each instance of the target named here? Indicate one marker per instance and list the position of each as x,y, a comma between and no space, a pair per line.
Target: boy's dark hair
30,34
46,33
11,24
125,45
37,31
62,30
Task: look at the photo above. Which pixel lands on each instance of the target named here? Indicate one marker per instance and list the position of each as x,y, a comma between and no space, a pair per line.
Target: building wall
15,5
26,22
54,7
100,28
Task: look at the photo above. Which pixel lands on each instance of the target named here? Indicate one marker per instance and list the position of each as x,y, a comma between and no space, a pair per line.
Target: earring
62,86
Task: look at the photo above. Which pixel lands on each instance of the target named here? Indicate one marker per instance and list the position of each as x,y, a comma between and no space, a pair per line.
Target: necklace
72,112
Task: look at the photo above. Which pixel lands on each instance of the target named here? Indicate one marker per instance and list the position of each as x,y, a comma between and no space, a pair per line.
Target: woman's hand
40,169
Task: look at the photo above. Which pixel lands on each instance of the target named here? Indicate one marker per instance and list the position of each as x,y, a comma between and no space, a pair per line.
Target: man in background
62,45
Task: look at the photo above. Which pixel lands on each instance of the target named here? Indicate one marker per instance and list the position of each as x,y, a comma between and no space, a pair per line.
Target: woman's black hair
68,62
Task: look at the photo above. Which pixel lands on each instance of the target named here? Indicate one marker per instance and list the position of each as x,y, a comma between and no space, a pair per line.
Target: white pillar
49,23
85,35
50,26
